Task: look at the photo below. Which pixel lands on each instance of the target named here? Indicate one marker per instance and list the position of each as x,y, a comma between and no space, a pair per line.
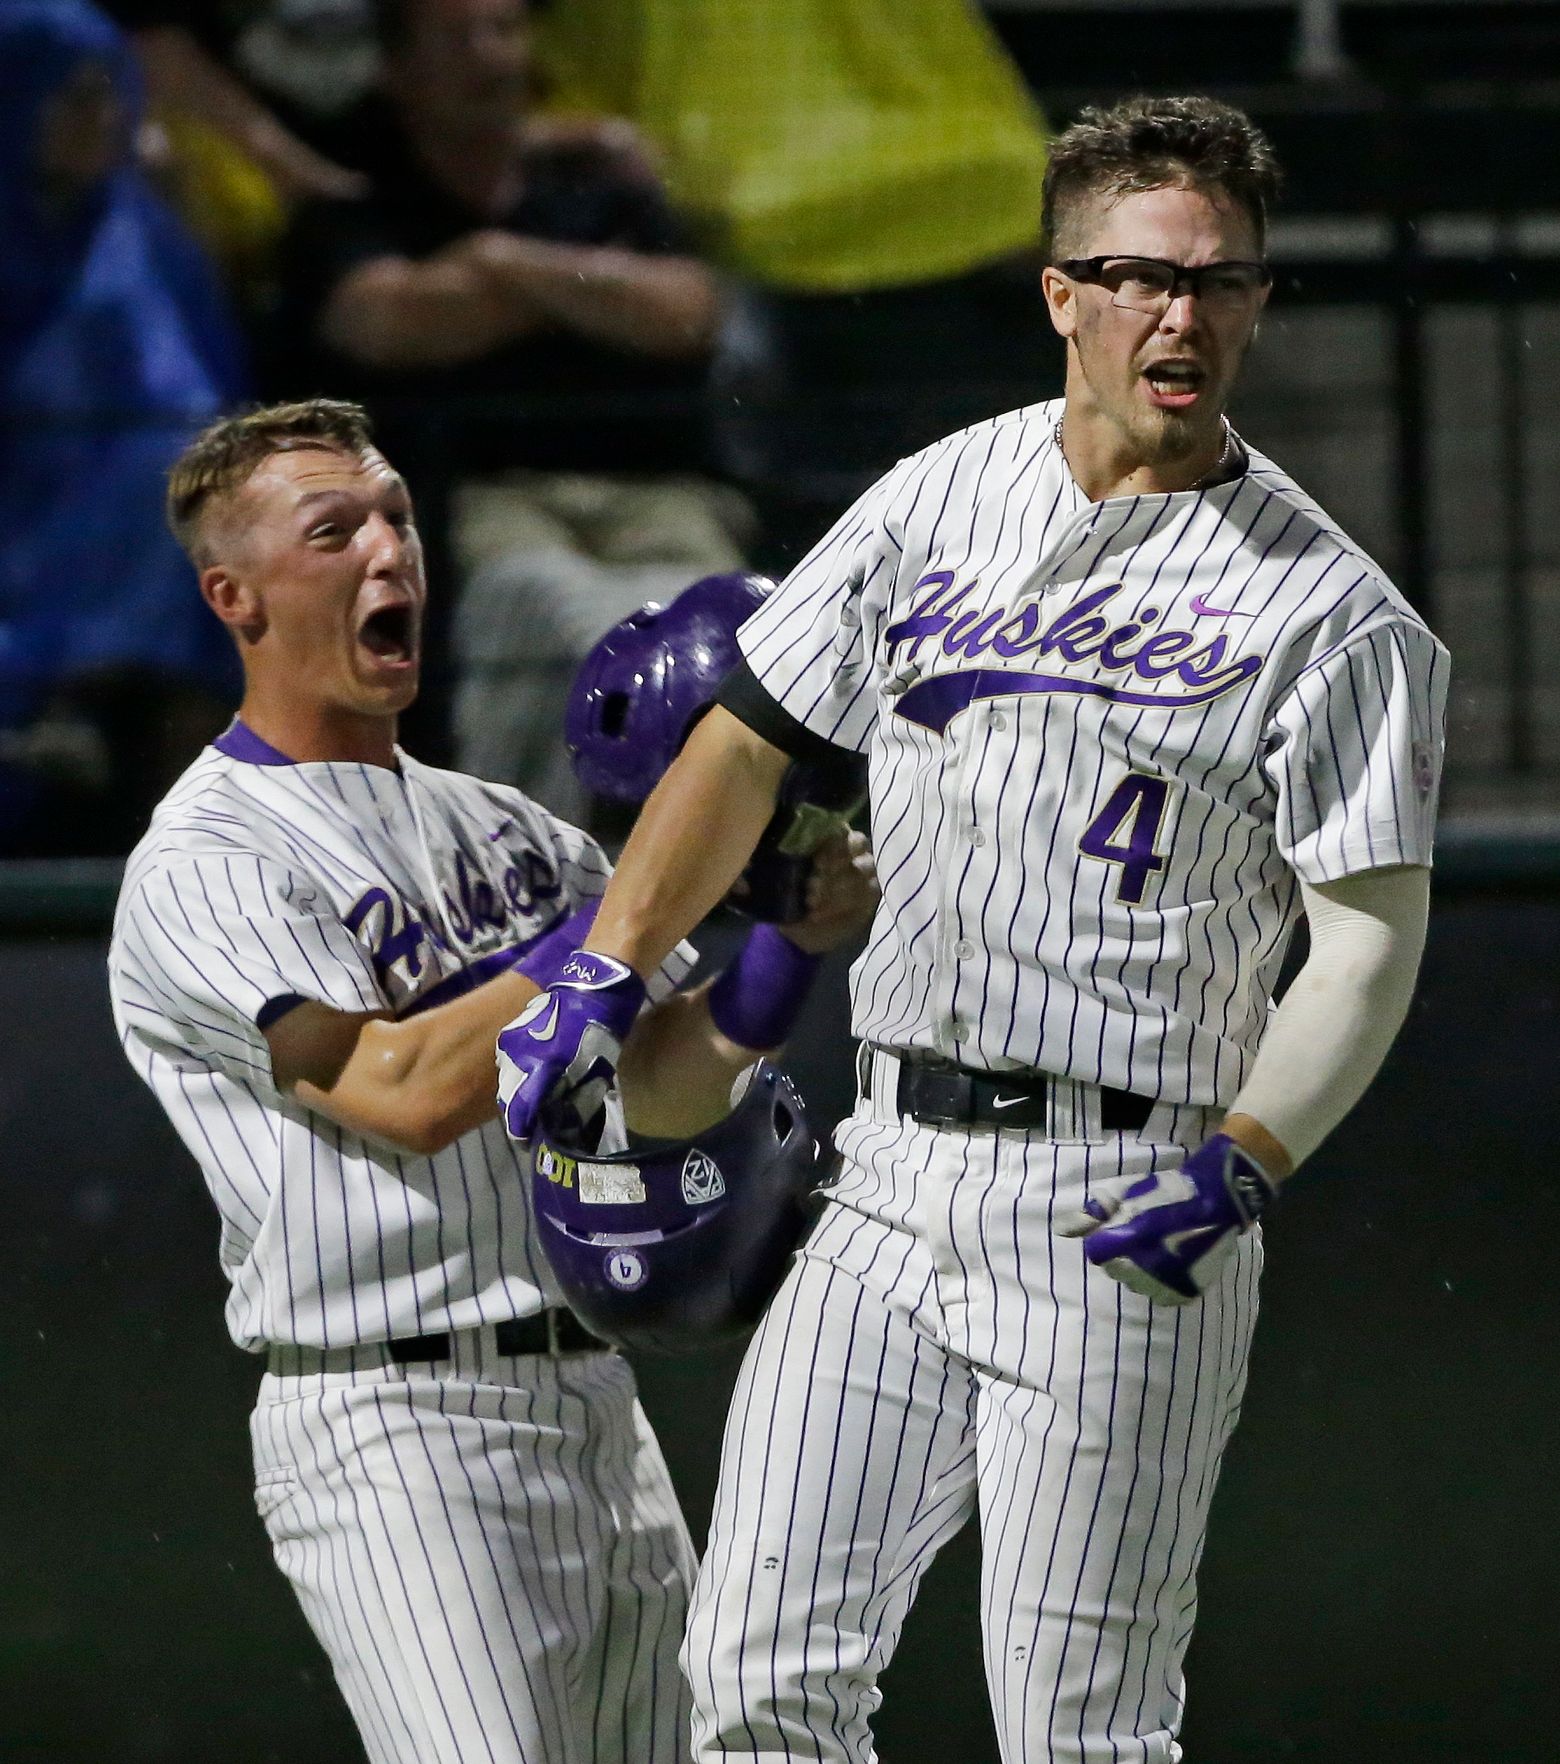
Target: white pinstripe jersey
1104,739
364,889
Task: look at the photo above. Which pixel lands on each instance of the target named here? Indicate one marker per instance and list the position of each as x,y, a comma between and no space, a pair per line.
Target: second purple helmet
650,679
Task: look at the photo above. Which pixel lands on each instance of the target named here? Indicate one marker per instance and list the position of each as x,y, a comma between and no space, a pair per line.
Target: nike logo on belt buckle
1008,1102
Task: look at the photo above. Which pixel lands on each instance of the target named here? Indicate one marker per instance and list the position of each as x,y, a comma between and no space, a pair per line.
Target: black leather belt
548,1332
941,1095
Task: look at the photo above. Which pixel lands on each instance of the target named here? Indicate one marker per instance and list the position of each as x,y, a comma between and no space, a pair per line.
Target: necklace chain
1210,477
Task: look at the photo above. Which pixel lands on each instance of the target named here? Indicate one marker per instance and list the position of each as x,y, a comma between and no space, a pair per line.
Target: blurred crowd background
641,289
636,290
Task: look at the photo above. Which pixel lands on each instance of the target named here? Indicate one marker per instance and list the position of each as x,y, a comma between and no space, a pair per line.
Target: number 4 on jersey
1138,804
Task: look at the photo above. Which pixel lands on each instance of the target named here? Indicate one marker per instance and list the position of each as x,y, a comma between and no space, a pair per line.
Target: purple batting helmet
649,680
677,1247
643,687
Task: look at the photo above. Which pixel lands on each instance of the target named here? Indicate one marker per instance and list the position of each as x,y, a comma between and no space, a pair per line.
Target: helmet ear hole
637,690
614,714
784,1121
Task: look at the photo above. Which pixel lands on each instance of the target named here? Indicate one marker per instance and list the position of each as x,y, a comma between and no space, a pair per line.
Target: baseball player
316,945
1132,703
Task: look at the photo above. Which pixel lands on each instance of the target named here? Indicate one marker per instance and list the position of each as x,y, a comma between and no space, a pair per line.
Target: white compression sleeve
1346,1005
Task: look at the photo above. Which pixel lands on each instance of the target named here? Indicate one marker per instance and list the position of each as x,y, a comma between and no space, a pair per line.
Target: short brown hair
1149,143
221,458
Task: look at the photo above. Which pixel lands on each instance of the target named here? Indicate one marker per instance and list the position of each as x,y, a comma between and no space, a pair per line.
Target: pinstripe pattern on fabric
936,1348
847,1461
490,1553
493,1560
1001,940
1013,660
365,890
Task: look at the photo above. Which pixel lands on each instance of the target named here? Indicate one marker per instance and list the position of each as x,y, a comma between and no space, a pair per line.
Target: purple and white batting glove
564,1045
1166,1235
544,960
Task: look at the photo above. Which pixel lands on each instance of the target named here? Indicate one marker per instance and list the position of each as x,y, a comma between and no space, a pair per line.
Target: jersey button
964,949
961,1032
998,722
977,837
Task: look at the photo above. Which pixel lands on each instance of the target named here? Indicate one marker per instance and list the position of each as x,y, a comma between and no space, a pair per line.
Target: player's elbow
427,1134
421,1125
734,757
398,1098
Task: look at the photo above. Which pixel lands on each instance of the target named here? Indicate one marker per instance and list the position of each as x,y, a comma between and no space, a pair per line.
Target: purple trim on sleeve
464,980
539,959
238,741
275,1008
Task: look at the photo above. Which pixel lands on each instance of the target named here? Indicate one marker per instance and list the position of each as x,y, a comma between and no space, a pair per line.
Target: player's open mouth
1174,385
389,634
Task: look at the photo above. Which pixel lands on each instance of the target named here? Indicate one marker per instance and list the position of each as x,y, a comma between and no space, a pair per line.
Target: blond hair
223,457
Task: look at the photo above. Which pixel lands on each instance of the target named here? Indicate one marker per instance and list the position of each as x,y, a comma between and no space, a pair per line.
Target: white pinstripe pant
936,1349
493,1559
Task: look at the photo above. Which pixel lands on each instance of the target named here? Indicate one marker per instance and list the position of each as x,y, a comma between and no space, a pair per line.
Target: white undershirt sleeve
1346,1005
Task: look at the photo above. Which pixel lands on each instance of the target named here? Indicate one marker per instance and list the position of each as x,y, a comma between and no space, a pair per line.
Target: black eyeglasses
1149,284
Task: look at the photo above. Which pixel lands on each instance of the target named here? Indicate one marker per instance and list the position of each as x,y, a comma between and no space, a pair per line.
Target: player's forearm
1338,1019
665,306
422,1082
691,841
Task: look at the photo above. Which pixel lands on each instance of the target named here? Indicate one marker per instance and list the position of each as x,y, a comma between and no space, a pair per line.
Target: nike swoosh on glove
1166,1235
563,1048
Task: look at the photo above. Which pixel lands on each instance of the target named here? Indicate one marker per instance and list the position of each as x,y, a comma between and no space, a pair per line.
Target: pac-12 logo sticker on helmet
695,1259
701,1179
638,694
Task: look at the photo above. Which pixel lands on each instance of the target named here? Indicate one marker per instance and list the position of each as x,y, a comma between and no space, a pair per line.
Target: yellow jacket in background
826,145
